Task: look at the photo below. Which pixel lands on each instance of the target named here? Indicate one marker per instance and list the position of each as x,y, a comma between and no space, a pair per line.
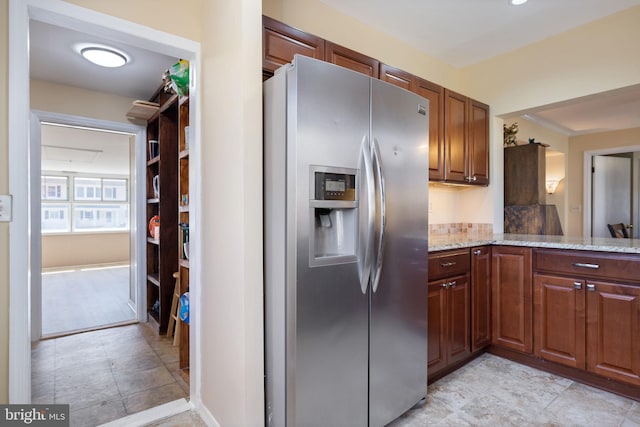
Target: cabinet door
351,59
459,334
613,331
435,95
480,297
478,143
456,166
280,42
511,298
395,76
559,320
437,331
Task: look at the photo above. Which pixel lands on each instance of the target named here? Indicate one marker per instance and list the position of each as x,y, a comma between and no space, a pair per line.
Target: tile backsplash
460,228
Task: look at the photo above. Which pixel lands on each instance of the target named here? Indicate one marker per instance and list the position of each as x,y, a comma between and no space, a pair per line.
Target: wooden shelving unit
183,222
162,252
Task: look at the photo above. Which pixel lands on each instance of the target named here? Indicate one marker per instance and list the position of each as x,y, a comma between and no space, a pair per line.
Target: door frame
59,13
587,185
137,236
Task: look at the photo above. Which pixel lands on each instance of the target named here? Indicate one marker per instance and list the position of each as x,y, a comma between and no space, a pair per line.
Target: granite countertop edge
596,244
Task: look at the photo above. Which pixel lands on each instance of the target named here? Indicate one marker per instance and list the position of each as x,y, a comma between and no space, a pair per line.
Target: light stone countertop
461,240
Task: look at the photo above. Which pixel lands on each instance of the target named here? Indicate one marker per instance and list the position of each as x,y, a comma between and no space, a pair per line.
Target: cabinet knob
452,284
447,264
577,285
470,178
445,285
477,252
591,287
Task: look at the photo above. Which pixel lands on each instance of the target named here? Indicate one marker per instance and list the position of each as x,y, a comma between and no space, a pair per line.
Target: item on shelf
156,186
142,110
185,240
184,307
185,248
184,199
179,77
153,149
186,137
154,227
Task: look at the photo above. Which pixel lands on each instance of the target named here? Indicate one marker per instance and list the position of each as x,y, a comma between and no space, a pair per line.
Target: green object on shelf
179,74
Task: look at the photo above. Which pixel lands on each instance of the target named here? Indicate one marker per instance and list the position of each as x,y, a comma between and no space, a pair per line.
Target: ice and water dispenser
334,219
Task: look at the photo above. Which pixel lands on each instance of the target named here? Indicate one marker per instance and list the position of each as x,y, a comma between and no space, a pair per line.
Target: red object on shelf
154,224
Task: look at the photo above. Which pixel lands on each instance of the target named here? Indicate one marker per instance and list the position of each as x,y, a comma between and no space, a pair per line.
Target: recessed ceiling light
517,2
104,57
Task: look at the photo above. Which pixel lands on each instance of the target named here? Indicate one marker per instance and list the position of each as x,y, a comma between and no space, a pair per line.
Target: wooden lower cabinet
448,324
590,325
480,297
613,330
511,298
559,313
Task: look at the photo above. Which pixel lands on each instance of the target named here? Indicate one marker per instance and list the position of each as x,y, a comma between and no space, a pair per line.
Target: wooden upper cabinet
280,42
435,94
479,142
456,168
466,140
395,76
351,59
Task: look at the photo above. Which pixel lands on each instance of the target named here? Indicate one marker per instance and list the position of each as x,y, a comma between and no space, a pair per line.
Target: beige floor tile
182,420
134,382
153,397
97,414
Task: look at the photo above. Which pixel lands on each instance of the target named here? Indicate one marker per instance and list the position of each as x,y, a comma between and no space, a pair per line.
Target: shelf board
168,103
153,161
184,263
153,278
183,208
152,201
184,154
153,241
183,99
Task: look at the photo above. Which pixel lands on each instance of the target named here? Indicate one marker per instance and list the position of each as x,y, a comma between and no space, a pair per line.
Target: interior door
611,198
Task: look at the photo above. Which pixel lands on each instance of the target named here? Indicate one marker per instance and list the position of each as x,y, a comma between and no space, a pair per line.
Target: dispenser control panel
335,186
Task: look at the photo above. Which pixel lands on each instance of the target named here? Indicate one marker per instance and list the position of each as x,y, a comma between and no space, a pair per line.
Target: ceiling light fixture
104,57
517,2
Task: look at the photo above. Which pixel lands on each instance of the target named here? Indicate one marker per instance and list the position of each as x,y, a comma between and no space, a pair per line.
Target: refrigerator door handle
382,214
366,227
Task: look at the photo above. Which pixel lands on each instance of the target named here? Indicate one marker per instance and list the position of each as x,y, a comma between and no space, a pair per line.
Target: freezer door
398,324
327,317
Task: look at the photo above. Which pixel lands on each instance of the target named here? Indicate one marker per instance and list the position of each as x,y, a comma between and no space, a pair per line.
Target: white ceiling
460,32
54,57
463,32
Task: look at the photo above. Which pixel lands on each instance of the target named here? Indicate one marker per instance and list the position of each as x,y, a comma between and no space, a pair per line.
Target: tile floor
491,391
107,374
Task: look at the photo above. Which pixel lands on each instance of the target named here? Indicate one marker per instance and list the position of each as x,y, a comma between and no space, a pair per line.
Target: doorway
21,177
611,190
86,198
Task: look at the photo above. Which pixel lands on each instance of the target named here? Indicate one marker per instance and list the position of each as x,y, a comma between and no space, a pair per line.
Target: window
54,187
99,204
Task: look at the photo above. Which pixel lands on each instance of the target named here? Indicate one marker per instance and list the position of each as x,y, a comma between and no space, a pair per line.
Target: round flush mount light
517,2
103,56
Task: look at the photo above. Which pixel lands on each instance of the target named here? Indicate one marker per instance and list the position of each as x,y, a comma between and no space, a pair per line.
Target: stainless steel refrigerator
346,203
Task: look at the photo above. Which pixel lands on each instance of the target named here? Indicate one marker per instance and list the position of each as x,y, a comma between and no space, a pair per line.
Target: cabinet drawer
611,266
448,263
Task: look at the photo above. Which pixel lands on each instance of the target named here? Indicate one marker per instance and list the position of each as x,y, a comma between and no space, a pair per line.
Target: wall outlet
576,208
5,208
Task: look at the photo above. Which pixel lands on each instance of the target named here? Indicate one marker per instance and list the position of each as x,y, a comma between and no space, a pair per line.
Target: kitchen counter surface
461,240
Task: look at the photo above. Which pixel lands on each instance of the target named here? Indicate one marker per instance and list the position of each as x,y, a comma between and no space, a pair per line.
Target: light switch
5,208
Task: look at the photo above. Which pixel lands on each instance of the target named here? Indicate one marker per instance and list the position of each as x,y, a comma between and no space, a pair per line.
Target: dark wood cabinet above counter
458,125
